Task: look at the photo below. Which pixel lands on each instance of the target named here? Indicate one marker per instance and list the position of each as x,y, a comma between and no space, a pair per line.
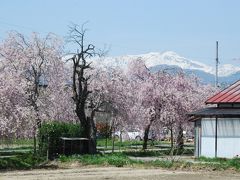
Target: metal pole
216,76
216,136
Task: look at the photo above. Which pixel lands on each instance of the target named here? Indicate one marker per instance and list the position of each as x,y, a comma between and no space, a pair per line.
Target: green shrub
49,137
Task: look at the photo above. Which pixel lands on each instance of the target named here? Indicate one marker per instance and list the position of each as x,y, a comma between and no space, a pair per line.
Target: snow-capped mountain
170,58
228,69
156,61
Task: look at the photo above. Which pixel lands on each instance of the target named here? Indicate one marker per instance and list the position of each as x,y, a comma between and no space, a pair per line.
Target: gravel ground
94,173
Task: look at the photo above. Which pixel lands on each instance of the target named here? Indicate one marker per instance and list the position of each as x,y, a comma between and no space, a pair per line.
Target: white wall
228,137
228,142
208,137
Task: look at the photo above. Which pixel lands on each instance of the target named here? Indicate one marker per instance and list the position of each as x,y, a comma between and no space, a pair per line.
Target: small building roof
216,112
229,95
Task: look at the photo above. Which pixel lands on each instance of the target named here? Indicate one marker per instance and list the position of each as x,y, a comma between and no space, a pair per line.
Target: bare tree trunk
92,146
146,133
171,137
106,141
34,143
35,133
38,120
113,140
106,134
180,140
93,135
89,132
120,138
145,138
85,126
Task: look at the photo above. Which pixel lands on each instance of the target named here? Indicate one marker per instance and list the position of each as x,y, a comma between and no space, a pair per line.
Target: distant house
217,129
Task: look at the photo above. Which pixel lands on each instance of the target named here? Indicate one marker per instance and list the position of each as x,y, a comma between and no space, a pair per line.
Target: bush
49,137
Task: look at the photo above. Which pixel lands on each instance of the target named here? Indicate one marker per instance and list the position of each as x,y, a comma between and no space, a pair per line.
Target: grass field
21,146
18,154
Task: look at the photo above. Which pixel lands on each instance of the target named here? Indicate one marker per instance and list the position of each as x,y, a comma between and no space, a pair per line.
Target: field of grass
102,144
21,146
15,147
221,163
20,161
123,160
16,142
114,159
17,154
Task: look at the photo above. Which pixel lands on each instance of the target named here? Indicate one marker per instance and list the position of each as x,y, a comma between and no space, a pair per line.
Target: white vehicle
132,135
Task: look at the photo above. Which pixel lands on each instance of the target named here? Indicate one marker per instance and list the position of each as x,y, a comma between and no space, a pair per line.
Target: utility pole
217,62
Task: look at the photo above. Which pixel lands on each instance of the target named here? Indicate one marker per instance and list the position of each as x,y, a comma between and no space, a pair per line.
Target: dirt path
114,173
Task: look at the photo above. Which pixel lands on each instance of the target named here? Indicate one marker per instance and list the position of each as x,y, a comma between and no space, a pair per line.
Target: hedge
49,137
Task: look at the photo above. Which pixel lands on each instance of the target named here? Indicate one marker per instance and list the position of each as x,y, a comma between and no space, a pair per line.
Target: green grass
157,153
116,159
16,142
160,163
15,147
102,142
17,154
20,158
120,160
133,144
144,153
24,161
221,163
128,145
28,161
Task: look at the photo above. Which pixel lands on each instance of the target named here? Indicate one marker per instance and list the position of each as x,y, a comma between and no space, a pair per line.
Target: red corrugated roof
228,95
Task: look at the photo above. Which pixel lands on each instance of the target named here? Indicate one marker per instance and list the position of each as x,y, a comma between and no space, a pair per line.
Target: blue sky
188,27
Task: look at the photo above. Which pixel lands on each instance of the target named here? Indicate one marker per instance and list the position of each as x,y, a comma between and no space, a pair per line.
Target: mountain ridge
172,58
228,73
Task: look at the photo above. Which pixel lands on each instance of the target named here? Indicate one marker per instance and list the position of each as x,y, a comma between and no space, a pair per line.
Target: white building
217,129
